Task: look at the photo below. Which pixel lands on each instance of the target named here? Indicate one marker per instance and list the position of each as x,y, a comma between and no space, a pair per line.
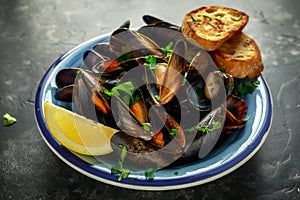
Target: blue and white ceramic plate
237,149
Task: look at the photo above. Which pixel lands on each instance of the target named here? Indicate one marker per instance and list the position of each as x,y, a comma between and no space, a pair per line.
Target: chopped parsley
134,98
194,20
8,120
222,69
119,169
176,173
173,132
151,62
168,49
236,18
146,126
207,17
126,87
157,97
248,86
215,126
149,174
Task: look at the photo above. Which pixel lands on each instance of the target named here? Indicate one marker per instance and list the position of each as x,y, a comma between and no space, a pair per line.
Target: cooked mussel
208,132
236,111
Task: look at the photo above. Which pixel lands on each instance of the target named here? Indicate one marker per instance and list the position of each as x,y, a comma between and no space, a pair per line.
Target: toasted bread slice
240,56
210,26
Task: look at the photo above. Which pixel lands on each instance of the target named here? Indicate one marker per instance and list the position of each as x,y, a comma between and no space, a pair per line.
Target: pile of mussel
160,89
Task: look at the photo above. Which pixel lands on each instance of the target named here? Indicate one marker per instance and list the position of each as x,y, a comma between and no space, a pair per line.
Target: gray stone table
33,34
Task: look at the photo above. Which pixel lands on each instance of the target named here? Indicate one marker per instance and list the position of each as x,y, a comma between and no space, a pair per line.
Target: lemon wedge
78,133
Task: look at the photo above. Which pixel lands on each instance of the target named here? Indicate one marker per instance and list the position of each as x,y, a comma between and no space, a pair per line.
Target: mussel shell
204,142
66,77
141,155
174,76
151,20
162,35
106,50
126,24
126,120
237,106
64,93
207,92
134,44
236,111
196,97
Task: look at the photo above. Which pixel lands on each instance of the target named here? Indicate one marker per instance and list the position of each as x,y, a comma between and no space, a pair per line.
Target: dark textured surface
34,33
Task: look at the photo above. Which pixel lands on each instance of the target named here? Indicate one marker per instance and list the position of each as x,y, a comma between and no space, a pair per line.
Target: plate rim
141,184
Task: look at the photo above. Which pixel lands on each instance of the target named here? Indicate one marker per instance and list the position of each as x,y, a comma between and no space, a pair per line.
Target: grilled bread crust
211,26
240,56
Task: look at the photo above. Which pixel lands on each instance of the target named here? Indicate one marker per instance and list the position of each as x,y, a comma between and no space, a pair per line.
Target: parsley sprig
8,120
168,49
149,174
215,126
119,169
126,87
248,86
173,132
151,62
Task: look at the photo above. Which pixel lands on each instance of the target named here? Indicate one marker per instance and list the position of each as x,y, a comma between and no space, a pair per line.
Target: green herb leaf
146,126
194,20
157,97
123,173
176,173
203,129
248,86
236,18
126,87
149,174
168,49
222,69
151,62
106,91
192,129
8,120
256,83
134,98
173,132
212,25
123,155
207,17
215,125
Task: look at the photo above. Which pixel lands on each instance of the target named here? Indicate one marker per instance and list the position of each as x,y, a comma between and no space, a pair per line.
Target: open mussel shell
174,75
127,121
140,154
204,142
210,92
167,79
134,44
160,31
236,112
